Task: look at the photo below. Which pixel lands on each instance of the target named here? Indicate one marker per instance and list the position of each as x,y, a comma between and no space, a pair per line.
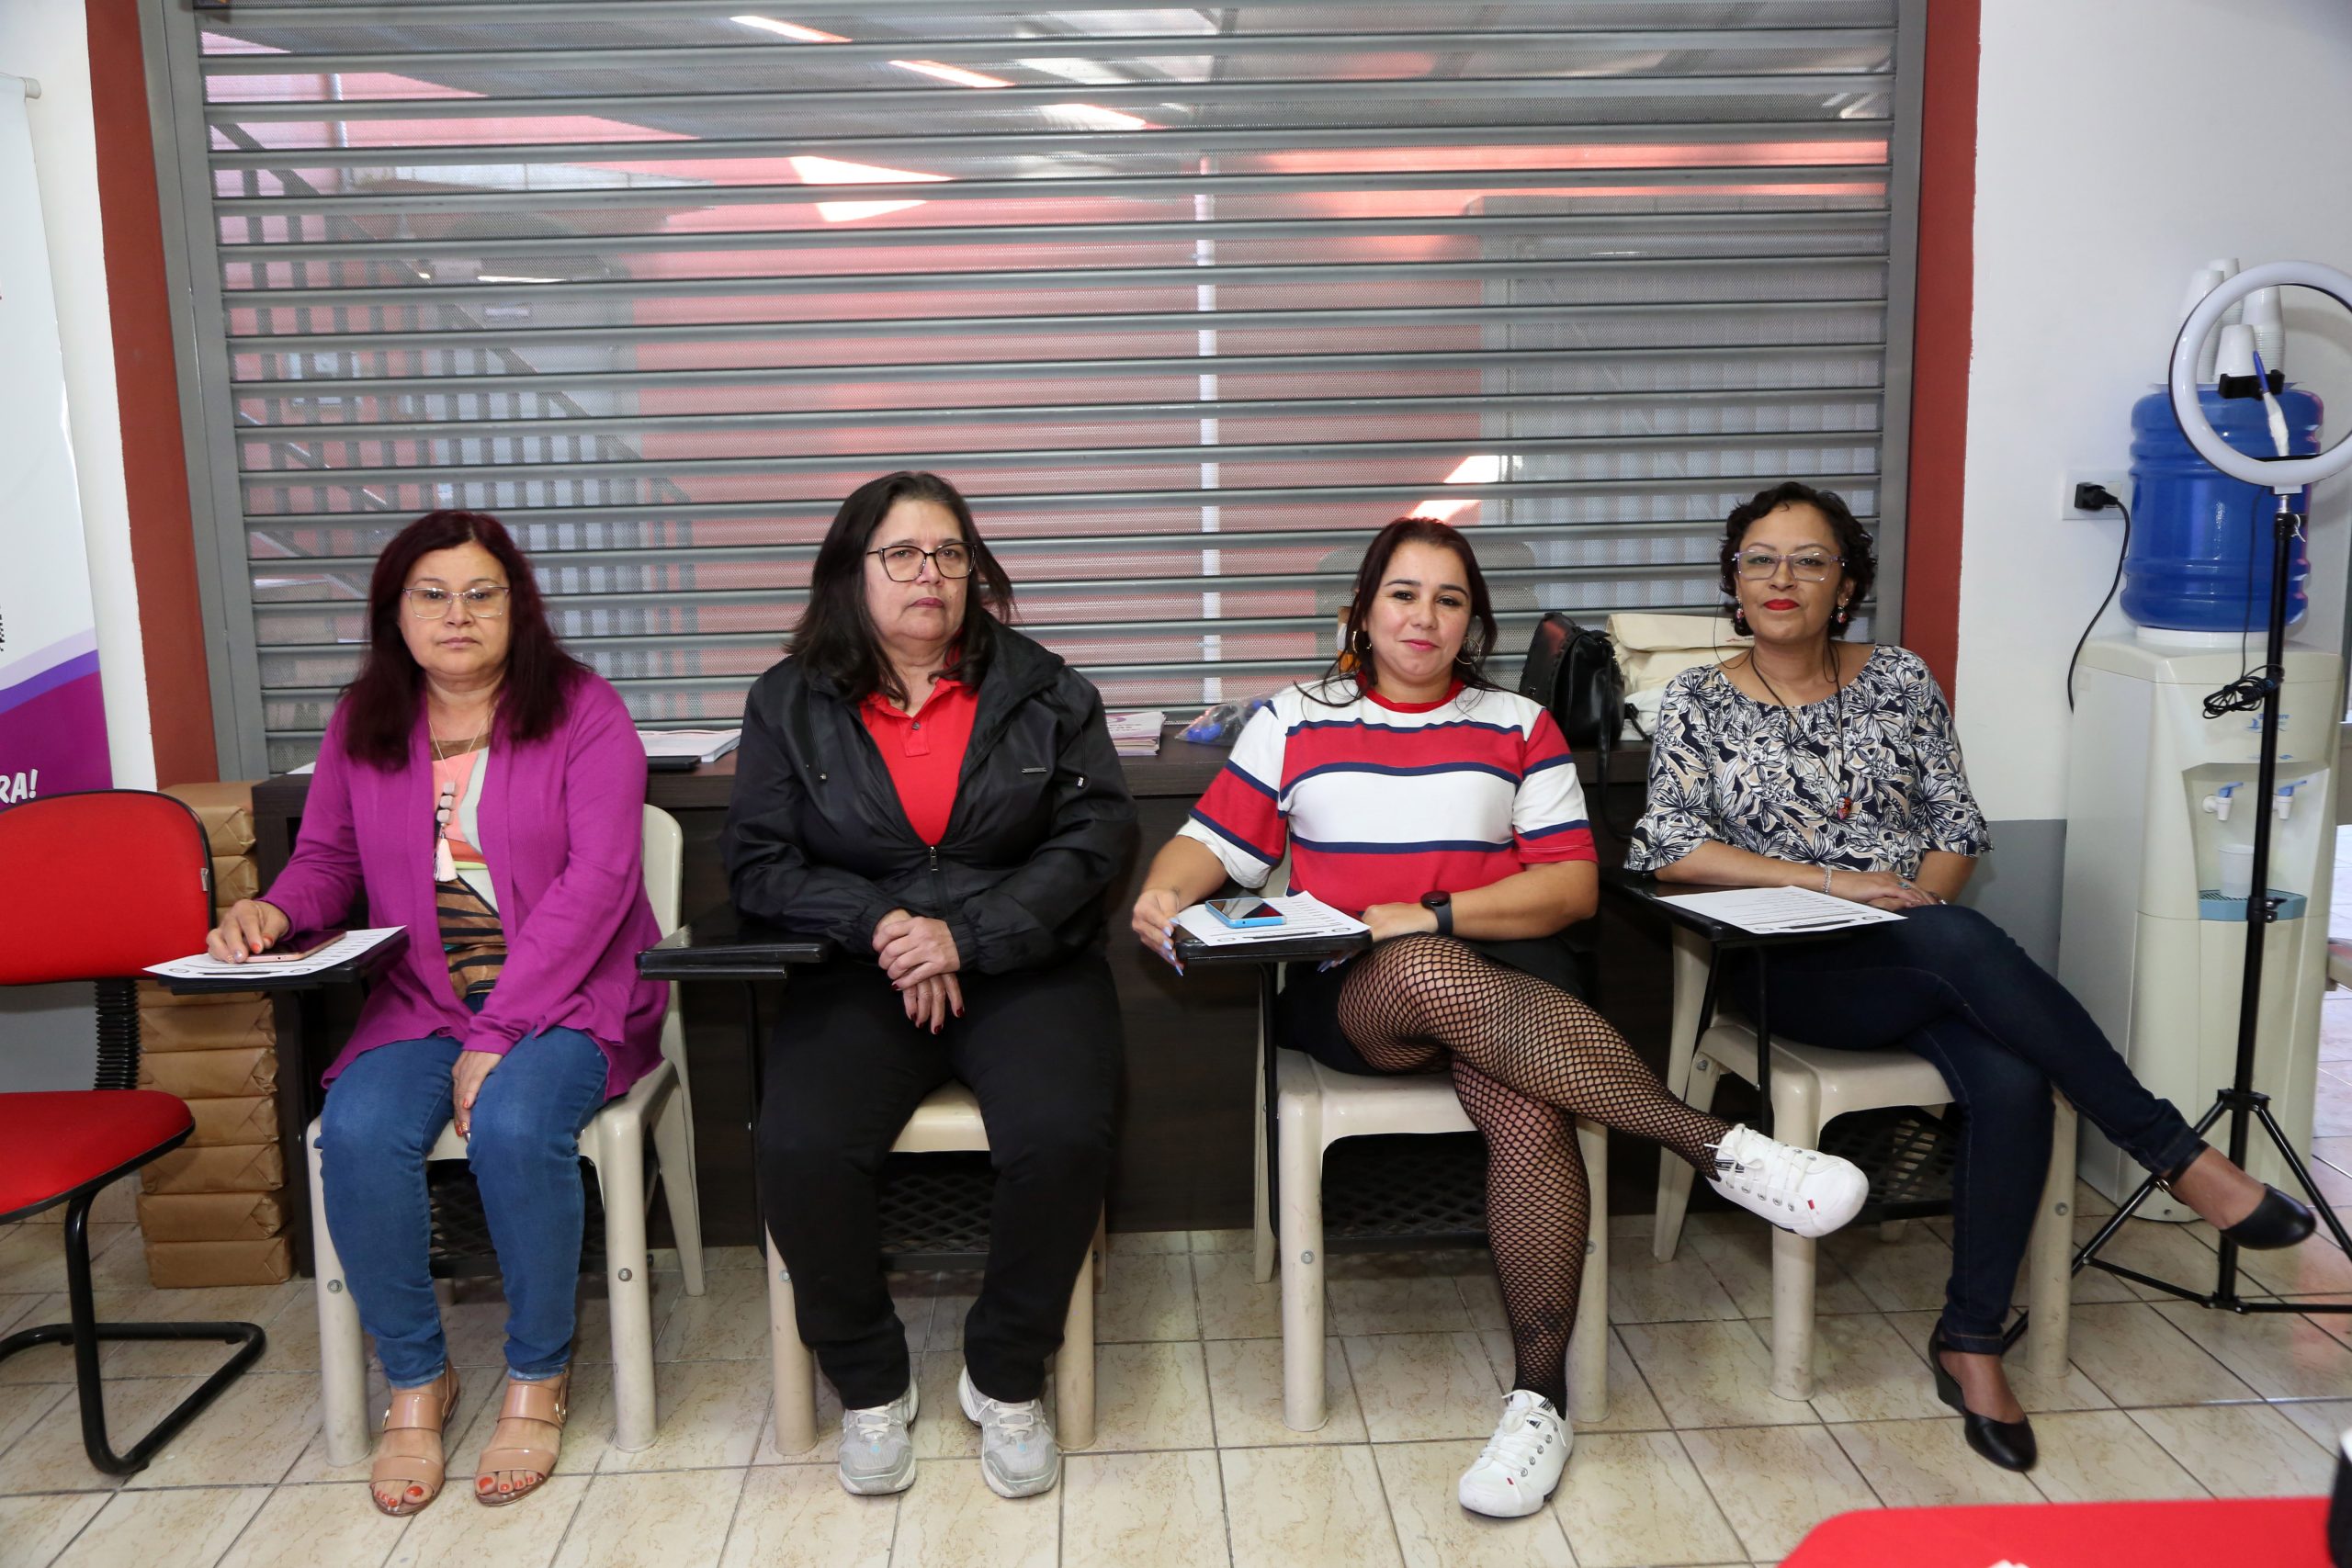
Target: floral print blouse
1771,780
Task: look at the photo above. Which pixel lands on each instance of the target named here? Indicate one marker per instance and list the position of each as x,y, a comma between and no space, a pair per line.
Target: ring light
2281,474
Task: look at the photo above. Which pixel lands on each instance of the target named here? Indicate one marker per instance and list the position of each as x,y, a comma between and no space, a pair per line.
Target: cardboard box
242,1022
232,1123
180,1265
237,876
153,998
210,1216
253,1168
225,810
211,1074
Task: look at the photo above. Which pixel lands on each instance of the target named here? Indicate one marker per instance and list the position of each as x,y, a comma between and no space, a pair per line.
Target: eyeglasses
904,562
1805,566
432,603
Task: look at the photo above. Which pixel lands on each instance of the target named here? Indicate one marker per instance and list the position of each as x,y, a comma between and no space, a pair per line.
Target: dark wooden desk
721,944
1185,1134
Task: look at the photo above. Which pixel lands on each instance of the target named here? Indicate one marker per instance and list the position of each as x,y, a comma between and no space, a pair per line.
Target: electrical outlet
2118,482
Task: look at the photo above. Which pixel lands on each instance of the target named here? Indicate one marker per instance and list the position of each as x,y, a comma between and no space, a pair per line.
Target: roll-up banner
53,720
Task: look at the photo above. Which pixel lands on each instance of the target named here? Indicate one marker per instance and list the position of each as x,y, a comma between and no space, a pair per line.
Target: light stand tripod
2241,1101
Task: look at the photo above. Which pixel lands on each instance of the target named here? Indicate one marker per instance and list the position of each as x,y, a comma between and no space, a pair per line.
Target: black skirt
1306,1009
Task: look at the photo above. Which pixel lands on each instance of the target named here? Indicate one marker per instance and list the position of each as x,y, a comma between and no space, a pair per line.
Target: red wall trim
162,541
1942,337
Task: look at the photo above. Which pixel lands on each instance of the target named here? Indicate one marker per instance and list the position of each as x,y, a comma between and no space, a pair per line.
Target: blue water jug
2200,541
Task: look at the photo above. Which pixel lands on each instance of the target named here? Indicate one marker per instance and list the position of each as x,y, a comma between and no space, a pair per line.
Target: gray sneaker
876,1454
1018,1455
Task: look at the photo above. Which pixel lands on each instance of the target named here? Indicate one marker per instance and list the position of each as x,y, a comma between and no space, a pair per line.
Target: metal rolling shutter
1187,299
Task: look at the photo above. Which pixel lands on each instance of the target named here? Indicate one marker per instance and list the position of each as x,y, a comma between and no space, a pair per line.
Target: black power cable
2244,694
2099,497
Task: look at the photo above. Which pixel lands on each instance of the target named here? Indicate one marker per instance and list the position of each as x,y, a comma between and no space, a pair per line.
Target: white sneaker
1018,1455
1801,1191
1522,1462
877,1454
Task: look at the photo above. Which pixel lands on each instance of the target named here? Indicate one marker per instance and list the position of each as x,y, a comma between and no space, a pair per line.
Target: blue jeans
1948,983
382,1114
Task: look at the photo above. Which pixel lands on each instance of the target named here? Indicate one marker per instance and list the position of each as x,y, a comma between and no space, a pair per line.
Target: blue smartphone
1245,911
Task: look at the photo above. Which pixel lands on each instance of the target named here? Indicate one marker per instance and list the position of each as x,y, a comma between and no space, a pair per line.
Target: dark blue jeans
1948,983
383,1113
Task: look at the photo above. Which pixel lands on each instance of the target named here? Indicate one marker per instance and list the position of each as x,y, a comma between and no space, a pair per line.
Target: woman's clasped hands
918,954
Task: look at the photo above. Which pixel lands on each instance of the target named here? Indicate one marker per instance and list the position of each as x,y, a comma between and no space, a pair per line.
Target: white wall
2103,179
49,41
46,1036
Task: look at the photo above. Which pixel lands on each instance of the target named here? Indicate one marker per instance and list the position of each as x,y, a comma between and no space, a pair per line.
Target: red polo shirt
924,750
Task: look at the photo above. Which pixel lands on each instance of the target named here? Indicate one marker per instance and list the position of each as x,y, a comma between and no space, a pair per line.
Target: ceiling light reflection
1094,117
1478,469
955,74
788,30
818,171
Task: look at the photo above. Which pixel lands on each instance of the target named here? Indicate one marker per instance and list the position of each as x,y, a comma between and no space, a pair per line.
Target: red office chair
99,886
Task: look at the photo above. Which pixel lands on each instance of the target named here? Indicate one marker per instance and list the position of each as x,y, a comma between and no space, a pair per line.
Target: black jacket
818,843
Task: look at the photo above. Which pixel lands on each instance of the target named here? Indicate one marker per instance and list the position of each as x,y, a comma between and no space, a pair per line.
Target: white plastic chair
1811,1085
615,1145
1314,1108
947,1120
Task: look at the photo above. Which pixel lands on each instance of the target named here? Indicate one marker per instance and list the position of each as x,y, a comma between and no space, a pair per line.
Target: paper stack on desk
1302,915
1773,911
688,745
1137,734
203,966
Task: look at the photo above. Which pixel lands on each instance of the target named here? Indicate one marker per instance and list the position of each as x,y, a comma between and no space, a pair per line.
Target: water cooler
2160,800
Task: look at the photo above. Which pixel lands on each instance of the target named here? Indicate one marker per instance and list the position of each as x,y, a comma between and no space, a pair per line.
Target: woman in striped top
1409,789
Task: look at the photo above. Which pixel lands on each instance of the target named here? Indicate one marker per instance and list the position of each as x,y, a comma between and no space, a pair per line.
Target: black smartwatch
1442,905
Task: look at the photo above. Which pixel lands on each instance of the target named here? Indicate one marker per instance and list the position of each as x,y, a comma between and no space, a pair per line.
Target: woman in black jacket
939,796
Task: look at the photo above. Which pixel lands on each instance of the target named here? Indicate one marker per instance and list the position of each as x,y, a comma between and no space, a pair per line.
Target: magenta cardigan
562,827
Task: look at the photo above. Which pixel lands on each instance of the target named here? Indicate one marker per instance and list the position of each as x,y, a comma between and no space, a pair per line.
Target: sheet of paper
1769,911
701,745
1302,915
1141,725
203,966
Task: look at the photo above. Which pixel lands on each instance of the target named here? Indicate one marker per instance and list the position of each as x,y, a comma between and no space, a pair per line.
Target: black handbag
1572,670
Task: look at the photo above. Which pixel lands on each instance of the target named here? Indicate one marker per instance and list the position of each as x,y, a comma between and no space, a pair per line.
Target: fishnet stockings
1527,1059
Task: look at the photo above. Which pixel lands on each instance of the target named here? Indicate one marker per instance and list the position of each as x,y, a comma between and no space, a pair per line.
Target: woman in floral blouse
1807,762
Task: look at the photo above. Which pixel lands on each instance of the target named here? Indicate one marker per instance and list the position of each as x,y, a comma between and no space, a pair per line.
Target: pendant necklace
1838,744
1838,777
444,864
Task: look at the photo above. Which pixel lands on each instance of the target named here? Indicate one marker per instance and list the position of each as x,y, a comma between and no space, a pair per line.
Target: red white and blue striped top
1381,801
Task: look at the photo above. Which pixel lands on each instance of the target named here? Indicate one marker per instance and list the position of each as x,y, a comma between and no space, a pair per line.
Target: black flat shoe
2277,1221
2008,1444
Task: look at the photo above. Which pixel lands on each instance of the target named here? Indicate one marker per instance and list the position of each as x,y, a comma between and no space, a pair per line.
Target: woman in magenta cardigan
478,783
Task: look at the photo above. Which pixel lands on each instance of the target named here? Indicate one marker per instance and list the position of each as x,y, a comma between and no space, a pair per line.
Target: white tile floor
1697,1463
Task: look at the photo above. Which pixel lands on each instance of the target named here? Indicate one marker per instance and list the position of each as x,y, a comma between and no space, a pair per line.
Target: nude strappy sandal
410,1460
546,1403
